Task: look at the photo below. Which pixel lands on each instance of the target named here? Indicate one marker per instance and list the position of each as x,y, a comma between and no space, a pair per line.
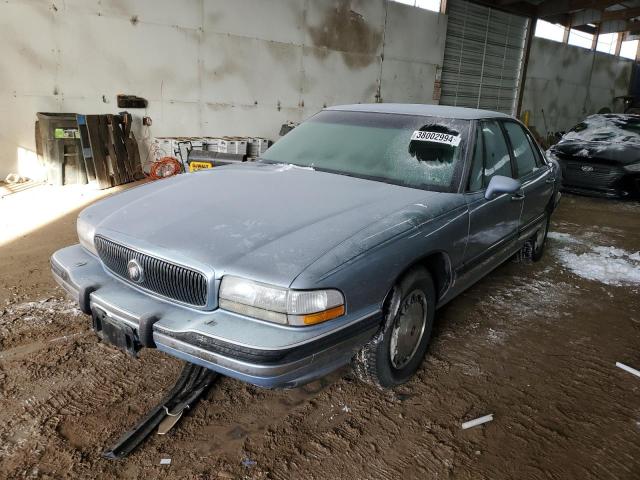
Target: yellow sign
195,166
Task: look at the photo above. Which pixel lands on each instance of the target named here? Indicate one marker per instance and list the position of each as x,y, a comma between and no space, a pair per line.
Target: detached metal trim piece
192,383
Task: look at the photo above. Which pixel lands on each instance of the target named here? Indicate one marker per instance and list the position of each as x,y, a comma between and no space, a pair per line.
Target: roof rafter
552,8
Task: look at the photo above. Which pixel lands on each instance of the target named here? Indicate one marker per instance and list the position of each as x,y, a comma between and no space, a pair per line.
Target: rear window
413,151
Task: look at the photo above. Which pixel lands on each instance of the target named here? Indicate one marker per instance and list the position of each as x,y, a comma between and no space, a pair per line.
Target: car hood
261,220
608,152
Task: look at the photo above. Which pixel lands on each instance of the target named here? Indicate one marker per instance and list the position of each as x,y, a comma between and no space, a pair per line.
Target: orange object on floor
165,167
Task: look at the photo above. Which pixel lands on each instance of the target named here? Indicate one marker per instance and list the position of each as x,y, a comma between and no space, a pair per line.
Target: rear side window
522,152
497,160
540,161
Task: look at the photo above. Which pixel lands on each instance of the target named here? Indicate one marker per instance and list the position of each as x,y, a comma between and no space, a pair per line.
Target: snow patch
608,265
39,311
564,237
289,166
583,153
496,336
611,128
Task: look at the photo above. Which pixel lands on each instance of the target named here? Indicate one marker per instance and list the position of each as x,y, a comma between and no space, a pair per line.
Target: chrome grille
161,277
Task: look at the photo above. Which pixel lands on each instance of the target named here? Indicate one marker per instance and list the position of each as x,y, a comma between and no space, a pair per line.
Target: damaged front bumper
254,351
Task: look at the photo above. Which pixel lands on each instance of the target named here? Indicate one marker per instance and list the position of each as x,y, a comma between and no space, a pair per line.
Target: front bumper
263,354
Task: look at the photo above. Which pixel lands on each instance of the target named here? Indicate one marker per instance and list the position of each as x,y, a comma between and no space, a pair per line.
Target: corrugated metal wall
482,57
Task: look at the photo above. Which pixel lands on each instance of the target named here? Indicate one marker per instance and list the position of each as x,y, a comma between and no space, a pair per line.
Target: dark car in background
601,156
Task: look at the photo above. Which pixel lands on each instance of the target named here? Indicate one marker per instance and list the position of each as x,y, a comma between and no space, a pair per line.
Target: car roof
420,109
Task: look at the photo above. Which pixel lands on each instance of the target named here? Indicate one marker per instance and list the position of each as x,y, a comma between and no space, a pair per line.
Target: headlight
86,232
633,168
280,305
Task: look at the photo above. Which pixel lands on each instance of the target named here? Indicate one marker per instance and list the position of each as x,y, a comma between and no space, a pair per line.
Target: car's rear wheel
533,249
396,352
540,239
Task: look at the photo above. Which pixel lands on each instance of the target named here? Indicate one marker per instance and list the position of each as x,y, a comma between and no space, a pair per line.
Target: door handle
550,180
517,197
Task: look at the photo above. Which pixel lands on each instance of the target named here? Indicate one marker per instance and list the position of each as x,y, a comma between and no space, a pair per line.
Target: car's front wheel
396,352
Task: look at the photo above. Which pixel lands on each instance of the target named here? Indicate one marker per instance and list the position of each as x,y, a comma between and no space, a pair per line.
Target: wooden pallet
115,155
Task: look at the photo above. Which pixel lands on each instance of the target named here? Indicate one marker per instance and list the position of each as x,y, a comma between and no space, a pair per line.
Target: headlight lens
86,232
280,305
633,168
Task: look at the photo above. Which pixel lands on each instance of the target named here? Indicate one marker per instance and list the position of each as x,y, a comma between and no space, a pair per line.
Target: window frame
540,159
514,160
476,133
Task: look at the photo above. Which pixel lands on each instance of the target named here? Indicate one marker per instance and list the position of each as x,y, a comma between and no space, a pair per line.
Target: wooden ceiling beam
625,14
551,8
518,7
613,26
585,17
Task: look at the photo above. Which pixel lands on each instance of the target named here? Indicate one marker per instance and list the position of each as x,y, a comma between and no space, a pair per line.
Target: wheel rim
408,329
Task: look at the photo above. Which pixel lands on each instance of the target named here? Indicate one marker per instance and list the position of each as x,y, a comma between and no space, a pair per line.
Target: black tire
539,243
373,364
533,248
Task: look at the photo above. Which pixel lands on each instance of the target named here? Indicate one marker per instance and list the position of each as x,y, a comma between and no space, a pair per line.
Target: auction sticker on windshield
436,137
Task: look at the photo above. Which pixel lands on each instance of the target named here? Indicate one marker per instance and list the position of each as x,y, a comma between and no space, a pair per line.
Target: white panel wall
411,61
208,67
569,83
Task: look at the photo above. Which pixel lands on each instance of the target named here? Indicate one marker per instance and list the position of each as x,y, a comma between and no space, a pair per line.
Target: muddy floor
536,345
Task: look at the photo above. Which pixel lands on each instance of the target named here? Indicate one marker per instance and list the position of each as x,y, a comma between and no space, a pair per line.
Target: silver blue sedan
336,247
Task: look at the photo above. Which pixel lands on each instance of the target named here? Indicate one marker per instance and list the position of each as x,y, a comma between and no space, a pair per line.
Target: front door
536,176
494,223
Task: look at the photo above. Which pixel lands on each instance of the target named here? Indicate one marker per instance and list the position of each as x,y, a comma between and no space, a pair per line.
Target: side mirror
499,185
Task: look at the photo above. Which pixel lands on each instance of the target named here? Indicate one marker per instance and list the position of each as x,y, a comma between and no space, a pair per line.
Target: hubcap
408,329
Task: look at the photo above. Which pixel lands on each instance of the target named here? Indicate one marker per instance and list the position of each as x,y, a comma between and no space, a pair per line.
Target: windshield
414,151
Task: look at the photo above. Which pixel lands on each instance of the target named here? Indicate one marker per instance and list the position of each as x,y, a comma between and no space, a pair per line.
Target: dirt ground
536,345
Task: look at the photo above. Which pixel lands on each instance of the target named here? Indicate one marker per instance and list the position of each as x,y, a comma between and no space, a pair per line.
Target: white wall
570,82
208,67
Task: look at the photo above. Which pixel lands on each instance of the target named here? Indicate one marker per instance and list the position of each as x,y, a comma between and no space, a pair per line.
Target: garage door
482,57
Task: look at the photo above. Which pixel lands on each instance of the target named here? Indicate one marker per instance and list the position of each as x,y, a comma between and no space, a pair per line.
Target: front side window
522,152
497,160
409,150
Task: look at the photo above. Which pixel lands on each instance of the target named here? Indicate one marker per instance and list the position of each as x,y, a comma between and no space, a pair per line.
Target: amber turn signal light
313,318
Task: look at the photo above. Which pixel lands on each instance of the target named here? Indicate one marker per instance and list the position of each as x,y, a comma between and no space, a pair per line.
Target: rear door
493,224
534,173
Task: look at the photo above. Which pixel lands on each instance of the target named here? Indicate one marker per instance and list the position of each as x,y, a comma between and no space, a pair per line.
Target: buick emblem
587,168
135,271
